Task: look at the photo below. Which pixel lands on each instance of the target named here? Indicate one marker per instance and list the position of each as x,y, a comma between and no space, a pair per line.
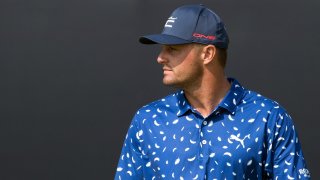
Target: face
182,66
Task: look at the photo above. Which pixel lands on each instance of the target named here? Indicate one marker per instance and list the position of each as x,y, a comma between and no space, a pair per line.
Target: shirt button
205,123
204,142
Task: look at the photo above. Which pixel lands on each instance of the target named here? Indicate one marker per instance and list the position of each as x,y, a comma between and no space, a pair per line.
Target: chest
216,142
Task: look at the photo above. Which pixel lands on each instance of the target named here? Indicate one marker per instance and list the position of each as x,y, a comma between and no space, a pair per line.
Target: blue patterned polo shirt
247,136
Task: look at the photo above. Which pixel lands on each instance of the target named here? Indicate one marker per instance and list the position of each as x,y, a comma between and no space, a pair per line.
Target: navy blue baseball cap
191,24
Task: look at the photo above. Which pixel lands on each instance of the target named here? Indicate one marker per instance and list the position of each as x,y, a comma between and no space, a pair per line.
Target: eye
172,48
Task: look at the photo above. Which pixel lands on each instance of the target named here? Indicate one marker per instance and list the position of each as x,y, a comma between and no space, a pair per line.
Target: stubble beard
183,81
177,83
170,81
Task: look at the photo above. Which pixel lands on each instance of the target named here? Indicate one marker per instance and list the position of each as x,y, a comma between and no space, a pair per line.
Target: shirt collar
233,97
229,102
182,103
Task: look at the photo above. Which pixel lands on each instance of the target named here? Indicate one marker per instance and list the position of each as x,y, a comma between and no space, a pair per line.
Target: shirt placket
203,146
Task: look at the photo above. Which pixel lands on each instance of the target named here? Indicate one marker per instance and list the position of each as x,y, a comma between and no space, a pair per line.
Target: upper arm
285,159
131,161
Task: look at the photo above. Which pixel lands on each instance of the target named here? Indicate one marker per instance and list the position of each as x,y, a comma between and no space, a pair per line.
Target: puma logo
237,138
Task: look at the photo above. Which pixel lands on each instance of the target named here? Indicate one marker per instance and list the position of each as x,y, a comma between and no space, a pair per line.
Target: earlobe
208,54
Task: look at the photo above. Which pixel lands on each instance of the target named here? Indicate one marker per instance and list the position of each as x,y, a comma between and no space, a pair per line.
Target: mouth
166,69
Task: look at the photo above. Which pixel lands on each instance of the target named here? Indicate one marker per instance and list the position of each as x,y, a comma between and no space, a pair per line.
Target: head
185,65
193,38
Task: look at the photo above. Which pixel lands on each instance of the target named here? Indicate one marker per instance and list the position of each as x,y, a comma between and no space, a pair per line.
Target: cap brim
162,39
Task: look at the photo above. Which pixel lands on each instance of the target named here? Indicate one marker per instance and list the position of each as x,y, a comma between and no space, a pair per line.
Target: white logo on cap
170,21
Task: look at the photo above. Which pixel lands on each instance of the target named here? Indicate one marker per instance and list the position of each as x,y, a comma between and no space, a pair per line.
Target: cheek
196,70
191,70
195,65
188,64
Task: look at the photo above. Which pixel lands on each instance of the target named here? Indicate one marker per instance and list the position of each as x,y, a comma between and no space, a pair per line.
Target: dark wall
72,74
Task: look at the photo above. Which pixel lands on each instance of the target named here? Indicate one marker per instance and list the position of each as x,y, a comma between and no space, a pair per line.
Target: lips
166,69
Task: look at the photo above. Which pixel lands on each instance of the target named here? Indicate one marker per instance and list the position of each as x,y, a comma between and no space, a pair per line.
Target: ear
208,54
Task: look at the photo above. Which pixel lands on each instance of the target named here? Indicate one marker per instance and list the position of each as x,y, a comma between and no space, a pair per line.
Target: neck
207,95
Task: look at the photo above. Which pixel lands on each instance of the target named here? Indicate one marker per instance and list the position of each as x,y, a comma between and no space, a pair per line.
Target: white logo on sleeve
304,172
170,21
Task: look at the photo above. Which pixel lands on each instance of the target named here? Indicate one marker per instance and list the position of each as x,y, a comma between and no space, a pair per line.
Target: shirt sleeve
131,158
284,154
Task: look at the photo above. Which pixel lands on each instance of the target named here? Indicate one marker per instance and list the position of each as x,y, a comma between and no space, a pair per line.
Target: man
212,128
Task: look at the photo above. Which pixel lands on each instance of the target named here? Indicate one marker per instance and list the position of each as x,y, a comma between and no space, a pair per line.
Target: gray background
72,74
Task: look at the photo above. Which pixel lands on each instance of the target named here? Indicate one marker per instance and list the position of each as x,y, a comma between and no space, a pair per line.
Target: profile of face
181,64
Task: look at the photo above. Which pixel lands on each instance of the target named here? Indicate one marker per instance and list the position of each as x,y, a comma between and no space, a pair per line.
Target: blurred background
72,75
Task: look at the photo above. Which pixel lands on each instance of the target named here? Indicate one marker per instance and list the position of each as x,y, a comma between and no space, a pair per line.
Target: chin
171,83
168,82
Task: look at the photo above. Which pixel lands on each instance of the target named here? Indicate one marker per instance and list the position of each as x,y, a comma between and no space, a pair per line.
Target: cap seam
195,27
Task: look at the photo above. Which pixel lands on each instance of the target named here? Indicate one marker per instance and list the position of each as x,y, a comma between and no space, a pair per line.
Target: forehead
183,46
182,50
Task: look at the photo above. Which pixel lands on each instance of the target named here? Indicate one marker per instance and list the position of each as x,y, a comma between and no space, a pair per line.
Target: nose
161,57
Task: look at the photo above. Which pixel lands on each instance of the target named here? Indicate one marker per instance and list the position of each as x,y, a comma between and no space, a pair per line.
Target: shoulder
167,103
274,112
260,101
255,98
